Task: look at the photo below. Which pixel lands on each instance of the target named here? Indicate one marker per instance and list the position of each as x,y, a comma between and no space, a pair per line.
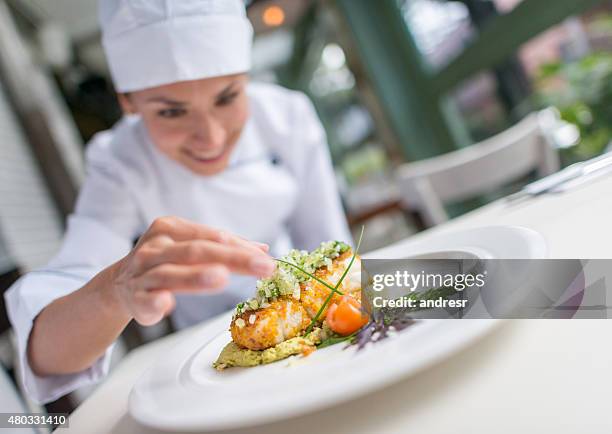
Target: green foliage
582,91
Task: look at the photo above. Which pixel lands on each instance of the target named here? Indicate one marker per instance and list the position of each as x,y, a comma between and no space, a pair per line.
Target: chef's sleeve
319,215
95,238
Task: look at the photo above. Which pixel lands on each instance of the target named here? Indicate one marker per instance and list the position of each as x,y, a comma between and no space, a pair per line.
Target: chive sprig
335,289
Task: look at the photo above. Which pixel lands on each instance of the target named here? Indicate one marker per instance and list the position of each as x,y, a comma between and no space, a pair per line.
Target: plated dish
312,299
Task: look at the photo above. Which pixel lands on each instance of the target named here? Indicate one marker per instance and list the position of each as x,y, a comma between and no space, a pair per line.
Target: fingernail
223,237
262,266
262,246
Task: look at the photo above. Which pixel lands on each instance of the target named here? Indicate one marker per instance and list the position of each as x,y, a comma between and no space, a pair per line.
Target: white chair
425,186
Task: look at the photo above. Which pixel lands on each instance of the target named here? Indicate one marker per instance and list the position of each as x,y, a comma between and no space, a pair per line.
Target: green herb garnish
293,269
333,340
312,276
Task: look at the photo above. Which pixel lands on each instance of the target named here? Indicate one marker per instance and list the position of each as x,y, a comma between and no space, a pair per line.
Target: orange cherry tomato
346,316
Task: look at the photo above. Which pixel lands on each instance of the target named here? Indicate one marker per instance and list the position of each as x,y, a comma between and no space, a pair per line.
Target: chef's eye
171,113
226,99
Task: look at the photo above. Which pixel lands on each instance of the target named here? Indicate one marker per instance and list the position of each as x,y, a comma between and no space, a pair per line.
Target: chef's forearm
72,332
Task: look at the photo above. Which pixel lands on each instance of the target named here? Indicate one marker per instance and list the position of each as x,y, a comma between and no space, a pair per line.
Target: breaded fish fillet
287,317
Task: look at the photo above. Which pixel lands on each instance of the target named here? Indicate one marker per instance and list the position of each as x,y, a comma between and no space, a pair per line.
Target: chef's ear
126,104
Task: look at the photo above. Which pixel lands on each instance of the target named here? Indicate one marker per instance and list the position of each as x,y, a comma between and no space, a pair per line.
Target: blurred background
396,83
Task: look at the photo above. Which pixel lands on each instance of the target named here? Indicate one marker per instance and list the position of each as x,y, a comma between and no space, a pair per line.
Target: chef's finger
236,258
235,240
180,229
184,278
149,307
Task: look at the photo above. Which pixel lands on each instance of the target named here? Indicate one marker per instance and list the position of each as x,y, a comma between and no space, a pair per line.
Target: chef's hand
175,255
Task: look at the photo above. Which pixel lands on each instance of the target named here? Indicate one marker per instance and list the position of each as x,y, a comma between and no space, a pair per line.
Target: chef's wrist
107,287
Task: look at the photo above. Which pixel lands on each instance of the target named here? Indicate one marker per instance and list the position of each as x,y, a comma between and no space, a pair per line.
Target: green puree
233,355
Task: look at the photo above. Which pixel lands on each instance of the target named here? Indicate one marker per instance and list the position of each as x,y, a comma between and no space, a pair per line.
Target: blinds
30,225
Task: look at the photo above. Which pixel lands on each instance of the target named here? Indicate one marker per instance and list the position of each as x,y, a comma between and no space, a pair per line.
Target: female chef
198,143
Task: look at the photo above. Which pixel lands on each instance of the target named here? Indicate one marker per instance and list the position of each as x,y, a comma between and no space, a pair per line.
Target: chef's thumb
165,302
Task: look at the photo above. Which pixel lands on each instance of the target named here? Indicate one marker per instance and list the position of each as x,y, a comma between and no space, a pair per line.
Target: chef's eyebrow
169,101
164,100
226,92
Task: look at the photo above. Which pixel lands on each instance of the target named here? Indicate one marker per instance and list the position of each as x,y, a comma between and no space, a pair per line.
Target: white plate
183,392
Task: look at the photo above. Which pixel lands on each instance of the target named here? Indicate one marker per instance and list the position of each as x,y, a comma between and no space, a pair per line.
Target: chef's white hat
149,43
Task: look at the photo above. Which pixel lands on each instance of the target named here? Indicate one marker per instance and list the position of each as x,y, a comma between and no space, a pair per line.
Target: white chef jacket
279,188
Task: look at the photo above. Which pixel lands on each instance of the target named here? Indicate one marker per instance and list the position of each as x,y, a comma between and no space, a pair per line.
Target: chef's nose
209,132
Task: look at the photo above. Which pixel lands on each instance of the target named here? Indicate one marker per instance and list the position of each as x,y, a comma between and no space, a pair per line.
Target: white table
527,376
